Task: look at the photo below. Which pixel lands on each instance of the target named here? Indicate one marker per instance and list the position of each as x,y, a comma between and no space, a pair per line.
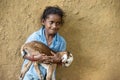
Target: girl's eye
51,22
58,23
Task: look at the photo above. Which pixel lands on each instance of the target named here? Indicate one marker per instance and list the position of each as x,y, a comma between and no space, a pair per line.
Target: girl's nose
54,25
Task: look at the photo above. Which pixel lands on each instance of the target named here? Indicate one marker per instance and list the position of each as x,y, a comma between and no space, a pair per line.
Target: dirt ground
91,29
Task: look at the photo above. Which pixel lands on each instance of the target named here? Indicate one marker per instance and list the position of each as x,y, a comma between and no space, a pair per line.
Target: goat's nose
66,61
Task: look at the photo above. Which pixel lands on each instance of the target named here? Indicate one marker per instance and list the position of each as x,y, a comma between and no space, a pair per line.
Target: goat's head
67,59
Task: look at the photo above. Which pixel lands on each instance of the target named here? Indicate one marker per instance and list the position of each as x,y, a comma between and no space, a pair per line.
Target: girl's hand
40,57
55,58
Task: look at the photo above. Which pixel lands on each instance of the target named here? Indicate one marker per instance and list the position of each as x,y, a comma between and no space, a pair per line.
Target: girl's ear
42,21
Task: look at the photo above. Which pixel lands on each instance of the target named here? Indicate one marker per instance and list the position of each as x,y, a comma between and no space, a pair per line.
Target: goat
34,48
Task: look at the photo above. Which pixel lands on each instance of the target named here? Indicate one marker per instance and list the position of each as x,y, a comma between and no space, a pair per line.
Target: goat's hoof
21,77
41,77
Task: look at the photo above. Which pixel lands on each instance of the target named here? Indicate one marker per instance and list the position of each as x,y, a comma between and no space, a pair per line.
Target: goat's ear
68,52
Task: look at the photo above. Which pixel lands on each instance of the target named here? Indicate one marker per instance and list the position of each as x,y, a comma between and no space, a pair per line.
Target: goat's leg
53,73
25,69
50,72
38,71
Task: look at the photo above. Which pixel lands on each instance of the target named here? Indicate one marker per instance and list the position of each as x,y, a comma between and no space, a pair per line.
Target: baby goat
34,48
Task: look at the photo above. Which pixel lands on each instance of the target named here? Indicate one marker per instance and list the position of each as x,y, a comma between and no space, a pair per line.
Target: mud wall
91,29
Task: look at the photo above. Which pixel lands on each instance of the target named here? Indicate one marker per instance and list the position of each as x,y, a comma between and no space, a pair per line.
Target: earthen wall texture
91,29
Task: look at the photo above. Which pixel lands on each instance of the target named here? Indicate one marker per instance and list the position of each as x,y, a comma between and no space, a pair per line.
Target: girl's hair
53,10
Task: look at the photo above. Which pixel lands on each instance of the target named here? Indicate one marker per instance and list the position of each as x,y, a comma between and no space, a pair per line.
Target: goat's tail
22,50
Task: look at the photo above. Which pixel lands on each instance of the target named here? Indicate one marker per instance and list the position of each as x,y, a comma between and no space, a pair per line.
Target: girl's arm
40,57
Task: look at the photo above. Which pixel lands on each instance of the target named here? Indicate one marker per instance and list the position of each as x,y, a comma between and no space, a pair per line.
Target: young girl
52,20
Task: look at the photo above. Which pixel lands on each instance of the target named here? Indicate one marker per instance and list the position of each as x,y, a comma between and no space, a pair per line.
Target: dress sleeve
33,37
63,45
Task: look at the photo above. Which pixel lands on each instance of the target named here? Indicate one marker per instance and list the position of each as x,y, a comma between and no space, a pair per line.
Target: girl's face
52,24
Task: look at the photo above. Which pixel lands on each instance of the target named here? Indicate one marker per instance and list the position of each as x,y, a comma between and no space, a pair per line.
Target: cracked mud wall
91,29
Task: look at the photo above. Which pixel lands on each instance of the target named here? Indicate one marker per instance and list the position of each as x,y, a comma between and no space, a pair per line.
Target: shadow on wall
72,31
91,42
